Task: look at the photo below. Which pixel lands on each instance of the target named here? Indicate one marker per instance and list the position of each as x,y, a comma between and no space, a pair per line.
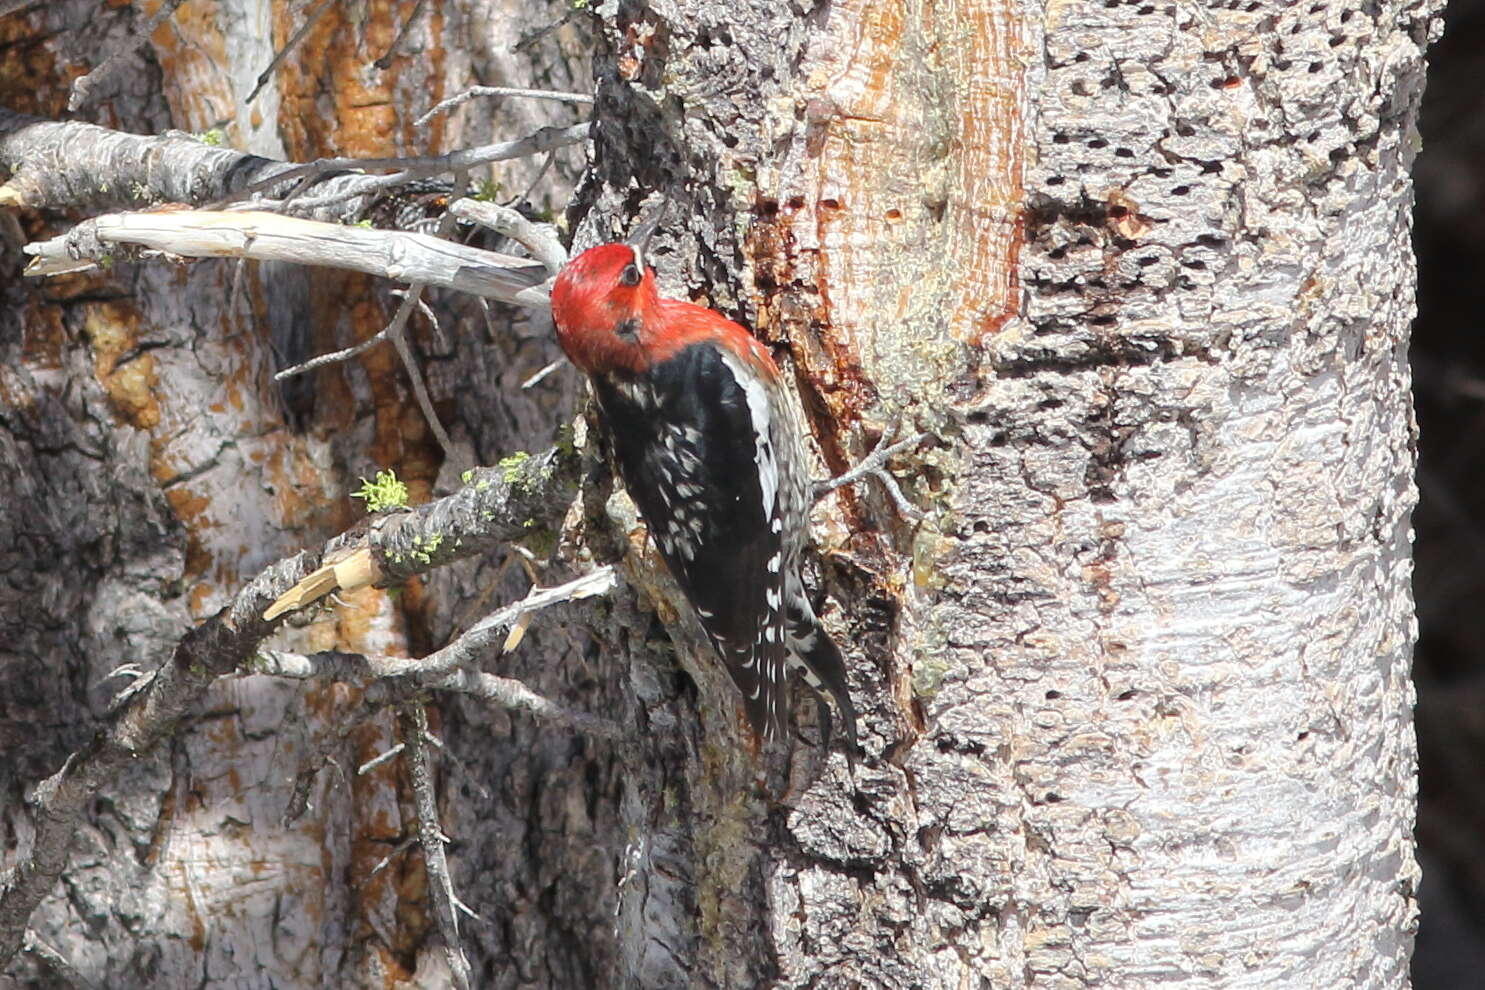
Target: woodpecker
713,457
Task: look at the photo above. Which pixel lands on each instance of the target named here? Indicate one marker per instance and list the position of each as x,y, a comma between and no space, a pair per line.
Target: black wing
685,439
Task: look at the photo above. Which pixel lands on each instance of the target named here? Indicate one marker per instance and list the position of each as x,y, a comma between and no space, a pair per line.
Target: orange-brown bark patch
128,379
190,508
43,336
30,79
192,52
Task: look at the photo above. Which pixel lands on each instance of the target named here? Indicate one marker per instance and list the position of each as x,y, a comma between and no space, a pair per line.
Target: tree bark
1142,709
1134,693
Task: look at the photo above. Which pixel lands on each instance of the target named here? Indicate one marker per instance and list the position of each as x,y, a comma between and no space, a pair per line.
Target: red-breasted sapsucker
712,456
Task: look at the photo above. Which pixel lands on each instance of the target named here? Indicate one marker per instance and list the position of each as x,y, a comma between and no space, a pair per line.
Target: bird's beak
639,238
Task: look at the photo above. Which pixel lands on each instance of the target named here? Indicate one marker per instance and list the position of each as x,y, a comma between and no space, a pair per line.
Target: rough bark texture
1134,696
1145,707
156,467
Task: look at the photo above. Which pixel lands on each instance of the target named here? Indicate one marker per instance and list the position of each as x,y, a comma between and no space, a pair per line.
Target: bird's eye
630,275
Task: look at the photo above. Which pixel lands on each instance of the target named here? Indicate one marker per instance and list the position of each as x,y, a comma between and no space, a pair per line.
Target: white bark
393,254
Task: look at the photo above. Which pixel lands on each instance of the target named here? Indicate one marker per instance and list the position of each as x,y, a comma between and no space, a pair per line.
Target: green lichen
386,492
511,467
425,547
213,137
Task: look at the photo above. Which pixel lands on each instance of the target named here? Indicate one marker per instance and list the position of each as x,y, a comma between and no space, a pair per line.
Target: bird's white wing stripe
758,408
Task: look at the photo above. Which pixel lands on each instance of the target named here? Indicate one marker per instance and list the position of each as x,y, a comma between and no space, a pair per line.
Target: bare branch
397,850
414,720
378,760
420,166
283,53
393,677
83,85
334,357
538,238
391,254
72,164
537,378
396,333
382,64
474,92
498,506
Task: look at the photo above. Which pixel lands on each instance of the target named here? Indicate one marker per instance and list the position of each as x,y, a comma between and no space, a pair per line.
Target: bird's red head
603,302
610,317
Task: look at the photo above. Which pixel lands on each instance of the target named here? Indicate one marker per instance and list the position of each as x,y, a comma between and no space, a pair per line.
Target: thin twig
382,64
397,850
538,238
357,187
283,53
526,41
344,354
395,333
537,378
874,465
546,166
419,166
482,633
84,84
474,92
377,761
414,719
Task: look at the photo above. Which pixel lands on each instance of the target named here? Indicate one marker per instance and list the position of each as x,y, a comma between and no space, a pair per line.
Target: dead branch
538,238
414,721
83,85
395,331
393,254
497,506
84,166
423,166
451,668
283,53
385,62
475,92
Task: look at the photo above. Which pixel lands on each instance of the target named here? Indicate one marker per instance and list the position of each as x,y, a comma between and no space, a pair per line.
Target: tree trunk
1134,693
1141,708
